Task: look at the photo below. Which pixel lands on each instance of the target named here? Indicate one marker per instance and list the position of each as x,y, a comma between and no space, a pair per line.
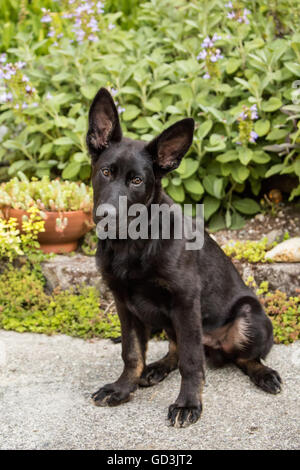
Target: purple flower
25,78
46,18
24,105
100,7
120,109
3,58
207,42
6,97
113,91
49,96
253,136
243,116
231,15
92,38
206,76
228,5
202,55
8,75
111,26
254,114
216,37
20,65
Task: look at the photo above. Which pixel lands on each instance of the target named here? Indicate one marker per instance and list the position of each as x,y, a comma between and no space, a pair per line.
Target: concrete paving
46,382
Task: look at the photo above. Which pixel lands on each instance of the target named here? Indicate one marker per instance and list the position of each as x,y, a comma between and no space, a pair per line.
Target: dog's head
126,167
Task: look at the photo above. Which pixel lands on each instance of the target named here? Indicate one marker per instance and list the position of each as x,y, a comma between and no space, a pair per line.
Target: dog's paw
153,374
268,380
183,416
110,396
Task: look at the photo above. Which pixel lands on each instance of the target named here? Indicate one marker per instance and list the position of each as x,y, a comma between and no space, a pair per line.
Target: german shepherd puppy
197,297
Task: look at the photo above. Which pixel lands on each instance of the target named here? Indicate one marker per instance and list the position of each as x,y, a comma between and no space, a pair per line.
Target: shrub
233,68
14,244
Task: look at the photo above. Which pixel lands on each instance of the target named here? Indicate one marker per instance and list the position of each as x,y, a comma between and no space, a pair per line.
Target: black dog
197,297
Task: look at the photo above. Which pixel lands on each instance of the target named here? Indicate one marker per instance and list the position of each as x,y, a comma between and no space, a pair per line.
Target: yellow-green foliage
248,250
24,306
10,241
283,311
13,243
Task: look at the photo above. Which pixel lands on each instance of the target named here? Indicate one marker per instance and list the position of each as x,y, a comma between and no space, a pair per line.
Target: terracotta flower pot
58,237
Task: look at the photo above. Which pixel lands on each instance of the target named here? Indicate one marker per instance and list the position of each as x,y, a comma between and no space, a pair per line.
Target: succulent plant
46,195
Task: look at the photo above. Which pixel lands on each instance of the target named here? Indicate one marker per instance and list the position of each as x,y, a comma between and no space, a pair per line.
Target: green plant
46,195
248,250
234,72
283,311
89,244
14,244
24,306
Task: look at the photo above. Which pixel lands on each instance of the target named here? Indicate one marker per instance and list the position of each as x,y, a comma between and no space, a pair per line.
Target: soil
286,219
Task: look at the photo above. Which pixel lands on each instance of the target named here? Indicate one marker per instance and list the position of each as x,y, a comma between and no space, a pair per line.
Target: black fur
197,297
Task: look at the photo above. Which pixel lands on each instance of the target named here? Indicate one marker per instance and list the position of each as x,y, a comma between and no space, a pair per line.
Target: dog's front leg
188,406
134,343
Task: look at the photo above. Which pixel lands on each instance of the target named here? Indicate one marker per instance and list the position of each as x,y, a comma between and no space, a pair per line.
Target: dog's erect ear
104,124
171,145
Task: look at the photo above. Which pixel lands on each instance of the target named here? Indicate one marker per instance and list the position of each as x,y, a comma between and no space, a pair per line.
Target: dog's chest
150,302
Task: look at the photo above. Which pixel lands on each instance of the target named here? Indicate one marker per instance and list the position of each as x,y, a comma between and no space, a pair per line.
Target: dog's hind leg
248,340
157,371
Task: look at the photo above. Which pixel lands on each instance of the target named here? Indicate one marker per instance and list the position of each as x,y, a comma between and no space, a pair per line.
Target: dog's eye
106,171
136,180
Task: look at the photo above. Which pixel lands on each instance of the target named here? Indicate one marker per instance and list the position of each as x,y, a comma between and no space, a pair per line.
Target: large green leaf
190,167
211,205
71,170
271,105
246,206
262,127
131,112
192,185
213,185
176,192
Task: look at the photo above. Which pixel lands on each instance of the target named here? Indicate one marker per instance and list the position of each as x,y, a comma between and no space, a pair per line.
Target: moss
283,311
251,251
24,306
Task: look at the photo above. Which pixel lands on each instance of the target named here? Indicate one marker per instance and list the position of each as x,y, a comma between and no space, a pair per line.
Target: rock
275,235
70,271
260,217
280,276
287,251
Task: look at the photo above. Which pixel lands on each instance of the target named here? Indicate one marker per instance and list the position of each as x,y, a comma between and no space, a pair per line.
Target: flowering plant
232,66
13,243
